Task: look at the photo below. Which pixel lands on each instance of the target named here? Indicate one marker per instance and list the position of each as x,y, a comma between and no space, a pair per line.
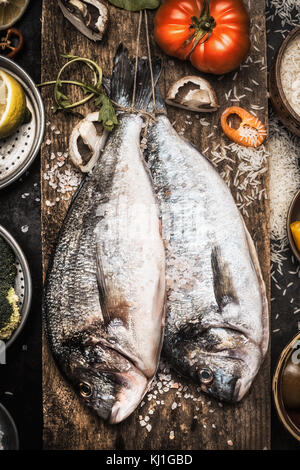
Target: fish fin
223,286
102,290
144,83
122,81
265,306
159,102
121,86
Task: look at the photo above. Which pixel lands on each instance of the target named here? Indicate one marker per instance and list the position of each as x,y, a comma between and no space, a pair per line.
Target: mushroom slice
90,17
193,93
87,140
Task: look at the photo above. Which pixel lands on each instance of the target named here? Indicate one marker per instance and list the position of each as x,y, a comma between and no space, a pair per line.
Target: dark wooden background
67,423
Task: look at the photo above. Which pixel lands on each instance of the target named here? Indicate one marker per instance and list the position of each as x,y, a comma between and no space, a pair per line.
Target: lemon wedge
11,11
12,104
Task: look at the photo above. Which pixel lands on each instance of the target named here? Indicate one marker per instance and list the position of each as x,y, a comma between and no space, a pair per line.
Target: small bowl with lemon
13,108
22,121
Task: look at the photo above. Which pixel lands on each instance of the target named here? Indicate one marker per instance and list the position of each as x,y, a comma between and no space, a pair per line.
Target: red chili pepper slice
13,42
250,133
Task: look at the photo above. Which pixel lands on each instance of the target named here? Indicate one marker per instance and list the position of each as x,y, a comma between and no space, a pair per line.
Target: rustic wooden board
200,422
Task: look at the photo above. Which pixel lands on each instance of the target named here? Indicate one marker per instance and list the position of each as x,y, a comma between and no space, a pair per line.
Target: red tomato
213,35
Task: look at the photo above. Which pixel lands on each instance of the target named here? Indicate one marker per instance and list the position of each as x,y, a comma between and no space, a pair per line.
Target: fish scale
217,315
105,291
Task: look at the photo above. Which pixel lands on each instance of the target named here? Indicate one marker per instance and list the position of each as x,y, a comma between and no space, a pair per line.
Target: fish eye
206,376
85,389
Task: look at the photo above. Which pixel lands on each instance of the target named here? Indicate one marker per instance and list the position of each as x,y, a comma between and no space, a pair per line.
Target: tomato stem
202,26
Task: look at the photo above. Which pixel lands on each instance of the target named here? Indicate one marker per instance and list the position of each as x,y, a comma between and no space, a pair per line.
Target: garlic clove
87,142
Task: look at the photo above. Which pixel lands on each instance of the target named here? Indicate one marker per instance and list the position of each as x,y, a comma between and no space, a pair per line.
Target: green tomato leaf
135,5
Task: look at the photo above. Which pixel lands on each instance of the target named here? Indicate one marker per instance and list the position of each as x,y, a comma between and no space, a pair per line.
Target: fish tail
122,84
122,77
159,102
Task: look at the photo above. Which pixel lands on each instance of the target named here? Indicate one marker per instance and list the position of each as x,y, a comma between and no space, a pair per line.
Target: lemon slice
11,11
12,104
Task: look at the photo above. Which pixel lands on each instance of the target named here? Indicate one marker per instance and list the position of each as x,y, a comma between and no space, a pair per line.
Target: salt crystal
25,228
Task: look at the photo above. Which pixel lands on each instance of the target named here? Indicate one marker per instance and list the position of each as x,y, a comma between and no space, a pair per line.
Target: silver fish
105,293
217,326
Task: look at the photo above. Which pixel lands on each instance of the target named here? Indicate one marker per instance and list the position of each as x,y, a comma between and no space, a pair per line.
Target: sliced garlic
87,142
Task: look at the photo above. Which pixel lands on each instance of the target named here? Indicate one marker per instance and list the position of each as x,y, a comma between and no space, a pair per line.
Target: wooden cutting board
171,418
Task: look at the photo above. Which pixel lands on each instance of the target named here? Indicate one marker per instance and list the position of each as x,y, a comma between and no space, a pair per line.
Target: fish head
221,361
96,390
220,377
108,383
226,363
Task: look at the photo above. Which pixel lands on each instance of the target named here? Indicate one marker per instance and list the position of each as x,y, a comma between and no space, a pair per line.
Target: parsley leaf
107,114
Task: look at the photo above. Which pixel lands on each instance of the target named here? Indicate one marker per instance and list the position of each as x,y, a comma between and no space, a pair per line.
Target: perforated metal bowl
9,438
23,283
18,151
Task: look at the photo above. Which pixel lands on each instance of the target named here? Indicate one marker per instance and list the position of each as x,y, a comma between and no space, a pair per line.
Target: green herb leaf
107,114
62,102
135,5
65,103
69,56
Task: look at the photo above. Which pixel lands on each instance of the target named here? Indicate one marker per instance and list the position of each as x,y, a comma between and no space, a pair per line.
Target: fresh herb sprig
107,114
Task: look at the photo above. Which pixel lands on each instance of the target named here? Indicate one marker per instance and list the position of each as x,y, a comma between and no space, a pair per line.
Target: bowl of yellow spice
15,288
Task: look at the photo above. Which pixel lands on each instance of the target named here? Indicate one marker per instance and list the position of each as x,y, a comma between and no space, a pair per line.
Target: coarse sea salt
25,228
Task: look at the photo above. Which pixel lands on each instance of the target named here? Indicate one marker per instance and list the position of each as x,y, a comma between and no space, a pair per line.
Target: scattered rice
290,74
284,176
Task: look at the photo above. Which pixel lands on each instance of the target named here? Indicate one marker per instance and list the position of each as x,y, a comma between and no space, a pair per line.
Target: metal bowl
293,216
23,285
9,438
18,151
279,101
283,413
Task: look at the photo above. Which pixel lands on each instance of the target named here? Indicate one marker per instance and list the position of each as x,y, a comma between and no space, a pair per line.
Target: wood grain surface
199,422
